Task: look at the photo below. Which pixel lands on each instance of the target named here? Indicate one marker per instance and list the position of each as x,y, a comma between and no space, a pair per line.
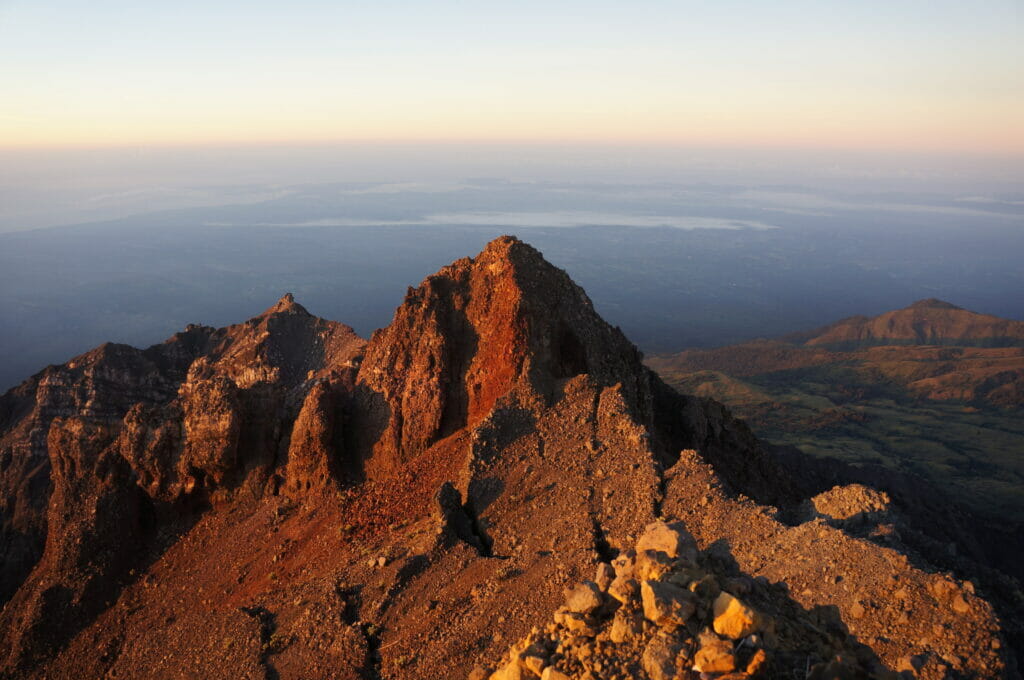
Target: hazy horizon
43,188
820,158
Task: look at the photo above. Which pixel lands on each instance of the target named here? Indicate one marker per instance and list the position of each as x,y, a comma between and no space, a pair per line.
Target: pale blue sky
943,76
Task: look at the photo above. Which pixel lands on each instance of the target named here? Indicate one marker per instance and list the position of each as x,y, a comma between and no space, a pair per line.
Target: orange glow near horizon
945,78
998,133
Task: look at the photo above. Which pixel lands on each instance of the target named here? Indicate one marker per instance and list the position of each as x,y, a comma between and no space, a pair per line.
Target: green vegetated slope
949,412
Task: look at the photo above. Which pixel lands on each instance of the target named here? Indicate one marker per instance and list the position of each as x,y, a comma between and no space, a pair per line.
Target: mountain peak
481,328
933,303
508,247
926,322
505,243
286,305
502,257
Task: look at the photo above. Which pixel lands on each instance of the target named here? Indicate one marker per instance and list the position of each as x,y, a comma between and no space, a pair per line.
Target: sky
916,75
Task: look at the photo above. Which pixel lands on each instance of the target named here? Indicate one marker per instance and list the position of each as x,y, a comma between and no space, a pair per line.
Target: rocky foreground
282,499
666,611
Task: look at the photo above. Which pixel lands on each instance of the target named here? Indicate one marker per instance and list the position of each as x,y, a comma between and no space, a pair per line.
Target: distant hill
932,389
926,322
931,349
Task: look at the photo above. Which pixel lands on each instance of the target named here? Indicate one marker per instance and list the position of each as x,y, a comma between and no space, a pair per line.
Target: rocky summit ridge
282,499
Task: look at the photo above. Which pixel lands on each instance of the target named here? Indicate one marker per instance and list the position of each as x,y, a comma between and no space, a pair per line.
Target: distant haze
49,187
710,172
674,263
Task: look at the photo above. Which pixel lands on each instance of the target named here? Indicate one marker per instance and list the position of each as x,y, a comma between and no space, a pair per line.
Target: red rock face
478,330
265,499
117,425
94,533
316,449
102,385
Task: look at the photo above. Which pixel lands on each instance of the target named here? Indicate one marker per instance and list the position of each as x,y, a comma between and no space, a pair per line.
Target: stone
735,620
313,455
941,588
212,425
624,564
626,626
552,673
510,671
584,598
659,657
706,587
575,622
910,664
850,505
535,664
666,604
714,656
741,585
624,589
605,575
672,539
758,664
651,565
450,517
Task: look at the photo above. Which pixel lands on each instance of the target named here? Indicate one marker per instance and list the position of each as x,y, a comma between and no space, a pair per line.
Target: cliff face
506,323
278,498
115,437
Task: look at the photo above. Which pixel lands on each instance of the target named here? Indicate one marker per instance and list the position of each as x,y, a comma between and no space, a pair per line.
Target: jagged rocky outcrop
505,323
665,611
94,447
282,499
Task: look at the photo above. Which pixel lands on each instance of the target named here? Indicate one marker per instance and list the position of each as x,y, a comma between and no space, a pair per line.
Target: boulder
452,521
659,658
672,539
535,664
624,564
734,619
666,604
605,575
626,625
624,589
651,565
552,673
584,598
714,656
